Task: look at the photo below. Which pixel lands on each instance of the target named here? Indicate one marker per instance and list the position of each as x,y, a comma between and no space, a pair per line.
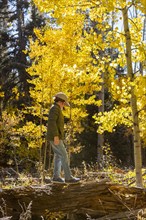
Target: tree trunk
136,131
100,140
97,199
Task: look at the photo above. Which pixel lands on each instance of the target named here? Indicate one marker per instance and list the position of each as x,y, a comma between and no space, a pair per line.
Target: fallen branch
121,215
6,218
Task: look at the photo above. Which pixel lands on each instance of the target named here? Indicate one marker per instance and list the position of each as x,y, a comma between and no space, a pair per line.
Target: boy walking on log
55,135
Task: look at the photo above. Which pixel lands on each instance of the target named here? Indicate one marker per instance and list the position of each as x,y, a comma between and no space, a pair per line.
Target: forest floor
109,182
10,178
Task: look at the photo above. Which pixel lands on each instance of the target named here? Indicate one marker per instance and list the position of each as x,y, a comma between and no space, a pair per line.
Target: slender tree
134,108
127,89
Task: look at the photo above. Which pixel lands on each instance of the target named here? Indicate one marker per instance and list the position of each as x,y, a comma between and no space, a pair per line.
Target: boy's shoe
58,180
72,180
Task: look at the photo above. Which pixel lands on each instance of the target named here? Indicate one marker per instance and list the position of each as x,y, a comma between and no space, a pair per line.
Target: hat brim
67,104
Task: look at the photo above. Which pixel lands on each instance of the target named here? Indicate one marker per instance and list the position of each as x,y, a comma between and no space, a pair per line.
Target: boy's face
62,104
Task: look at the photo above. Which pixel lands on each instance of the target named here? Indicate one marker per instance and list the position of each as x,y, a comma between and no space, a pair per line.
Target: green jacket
55,123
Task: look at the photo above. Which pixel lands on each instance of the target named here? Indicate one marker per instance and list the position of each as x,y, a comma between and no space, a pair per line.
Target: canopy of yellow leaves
62,59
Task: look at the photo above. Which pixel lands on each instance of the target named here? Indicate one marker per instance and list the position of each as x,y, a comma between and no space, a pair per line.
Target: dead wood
121,215
97,199
6,218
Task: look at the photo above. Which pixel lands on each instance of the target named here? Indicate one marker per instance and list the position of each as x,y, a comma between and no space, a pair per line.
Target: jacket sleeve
52,129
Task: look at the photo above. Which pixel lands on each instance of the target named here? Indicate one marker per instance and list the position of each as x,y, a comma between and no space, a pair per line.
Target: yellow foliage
9,128
1,93
59,66
121,114
120,89
62,60
109,120
33,134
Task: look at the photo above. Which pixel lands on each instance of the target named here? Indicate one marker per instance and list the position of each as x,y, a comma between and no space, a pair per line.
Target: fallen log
97,199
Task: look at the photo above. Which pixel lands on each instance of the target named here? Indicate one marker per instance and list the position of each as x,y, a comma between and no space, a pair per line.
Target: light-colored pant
60,159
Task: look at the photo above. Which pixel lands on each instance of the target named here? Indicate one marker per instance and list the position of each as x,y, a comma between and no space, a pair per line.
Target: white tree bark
136,131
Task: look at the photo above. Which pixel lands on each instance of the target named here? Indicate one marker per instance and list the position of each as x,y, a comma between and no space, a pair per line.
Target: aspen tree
128,88
59,66
136,130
